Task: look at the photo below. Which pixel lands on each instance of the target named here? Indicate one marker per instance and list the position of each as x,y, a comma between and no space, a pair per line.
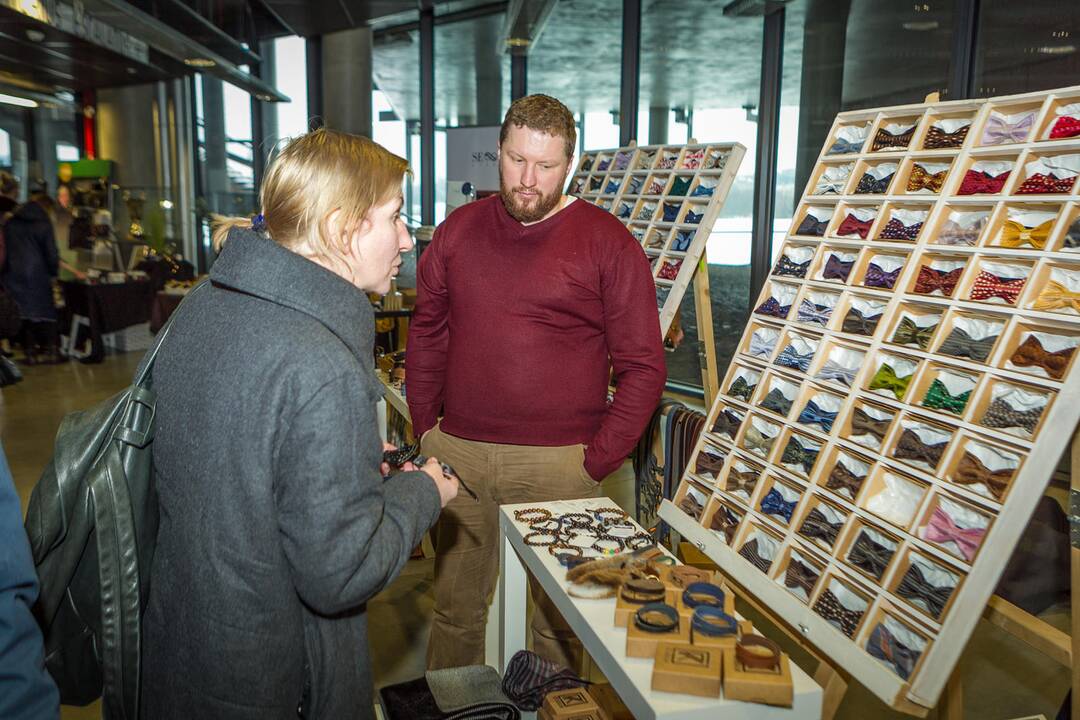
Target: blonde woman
276,524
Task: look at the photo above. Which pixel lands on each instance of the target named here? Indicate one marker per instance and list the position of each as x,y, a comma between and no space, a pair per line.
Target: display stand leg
1074,552
951,704
834,685
710,380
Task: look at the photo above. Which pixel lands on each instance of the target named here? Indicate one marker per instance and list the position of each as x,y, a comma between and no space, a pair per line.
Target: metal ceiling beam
236,52
493,8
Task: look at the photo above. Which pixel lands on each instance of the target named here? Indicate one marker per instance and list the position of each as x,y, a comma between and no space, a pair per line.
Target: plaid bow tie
1000,414
841,479
920,179
796,454
987,285
852,225
870,556
773,307
1000,131
1046,184
885,379
908,333
914,586
938,139
971,471
884,646
1015,234
837,269
960,344
931,280
750,552
938,398
870,185
740,388
942,529
789,357
828,606
858,324
774,504
845,147
896,230
812,227
814,415
911,447
1056,296
1031,353
876,277
1065,127
801,576
817,526
832,370
786,266
808,312
977,182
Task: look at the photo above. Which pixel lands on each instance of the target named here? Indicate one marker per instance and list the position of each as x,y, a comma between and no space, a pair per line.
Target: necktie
773,307
914,586
942,529
817,526
876,277
1031,353
960,344
693,218
754,441
908,333
789,357
987,285
679,186
931,280
938,139
702,191
951,233
801,576
1044,184
938,397
796,454
999,131
683,238
837,269
740,388
920,179
1000,414
977,182
896,230
858,324
750,552
708,464
727,423
840,478
691,507
832,370
724,521
812,227
1014,234
785,266
885,379
744,480
1065,127
910,447
808,312
971,471
776,402
845,147
885,140
869,556
1056,296
852,225
828,606
884,646
814,415
869,185
774,504
863,424
760,346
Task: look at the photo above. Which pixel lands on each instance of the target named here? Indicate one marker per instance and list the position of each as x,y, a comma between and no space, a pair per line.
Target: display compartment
816,308
812,220
1009,124
646,159
742,381
953,526
820,523
692,497
645,210
946,390
874,177
703,186
837,364
848,139
722,518
835,263
780,299
761,342
983,468
797,351
985,175
893,497
1067,237
778,499
894,134
886,635
639,231
692,213
842,603
901,222
920,443
624,209
708,462
656,185
995,282
758,545
612,185
1061,121
891,375
799,453
914,325
832,178
726,422
1046,174
668,158
869,550
693,157
777,395
1044,350
946,132
924,584
869,425
799,572
1054,287
937,274
854,222
794,261
843,472
860,316
969,336
880,270
1024,226
760,437
960,225
743,479
923,175
586,164
817,409
716,158
655,239
622,161
1011,408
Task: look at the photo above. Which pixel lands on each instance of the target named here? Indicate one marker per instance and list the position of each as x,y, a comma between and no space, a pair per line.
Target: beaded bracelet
607,545
579,520
531,540
609,514
637,542
532,515
563,547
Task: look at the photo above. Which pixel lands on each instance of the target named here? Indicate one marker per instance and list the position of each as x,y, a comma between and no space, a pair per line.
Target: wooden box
688,669
768,687
572,704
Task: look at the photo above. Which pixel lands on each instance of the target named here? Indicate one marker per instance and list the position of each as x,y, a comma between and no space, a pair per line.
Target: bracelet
656,618
757,652
607,545
609,514
578,520
532,515
702,593
683,576
713,622
641,591
531,540
562,547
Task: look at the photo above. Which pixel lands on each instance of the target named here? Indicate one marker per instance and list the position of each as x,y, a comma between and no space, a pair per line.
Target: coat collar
254,264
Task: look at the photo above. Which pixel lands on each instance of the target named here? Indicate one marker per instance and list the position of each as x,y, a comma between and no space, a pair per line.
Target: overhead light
167,204
34,35
922,26
1057,49
21,102
198,62
517,42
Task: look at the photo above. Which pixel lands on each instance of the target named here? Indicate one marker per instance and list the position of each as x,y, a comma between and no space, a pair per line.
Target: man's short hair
543,113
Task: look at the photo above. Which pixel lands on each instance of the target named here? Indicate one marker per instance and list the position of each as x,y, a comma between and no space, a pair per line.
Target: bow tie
1041,184
776,402
693,218
987,285
645,159
942,529
796,454
812,414
863,424
832,370
750,552
884,646
727,423
708,464
754,441
952,234
625,210
612,187
910,447
789,357
876,277
670,269
741,389
691,507
817,526
716,160
656,188
1015,234
1065,127
671,211
914,586
702,191
854,226
885,379
682,240
845,147
938,398
679,186
646,212
1031,353
635,186
773,307
1001,414
744,480
837,269
896,230
761,346
938,139
977,182
869,185
801,576
808,312
920,179
1056,296
931,280
774,504
858,324
723,520
869,556
971,471
843,479
812,227
885,140
908,333
827,186
603,164
960,344
828,606
999,131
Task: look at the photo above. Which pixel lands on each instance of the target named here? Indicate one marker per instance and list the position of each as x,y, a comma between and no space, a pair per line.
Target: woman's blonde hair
316,174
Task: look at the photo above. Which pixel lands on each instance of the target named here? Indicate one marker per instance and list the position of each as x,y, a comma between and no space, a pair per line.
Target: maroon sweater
516,327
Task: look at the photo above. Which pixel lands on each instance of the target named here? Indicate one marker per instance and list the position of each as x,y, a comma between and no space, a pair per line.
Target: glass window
1028,46
65,152
5,149
290,77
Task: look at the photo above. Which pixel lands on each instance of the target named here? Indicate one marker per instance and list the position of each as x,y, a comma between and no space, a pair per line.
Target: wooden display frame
948,634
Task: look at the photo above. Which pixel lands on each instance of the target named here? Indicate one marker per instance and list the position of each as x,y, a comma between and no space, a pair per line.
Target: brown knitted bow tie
910,447
971,471
1031,352
863,424
843,479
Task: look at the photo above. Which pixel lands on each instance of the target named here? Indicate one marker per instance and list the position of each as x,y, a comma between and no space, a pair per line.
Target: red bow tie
930,280
1065,127
988,285
979,183
853,226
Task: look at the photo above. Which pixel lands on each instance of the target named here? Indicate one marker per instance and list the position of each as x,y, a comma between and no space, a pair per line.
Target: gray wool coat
276,525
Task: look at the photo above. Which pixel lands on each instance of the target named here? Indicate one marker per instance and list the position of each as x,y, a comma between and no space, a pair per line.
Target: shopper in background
276,523
9,194
60,215
26,690
525,301
31,263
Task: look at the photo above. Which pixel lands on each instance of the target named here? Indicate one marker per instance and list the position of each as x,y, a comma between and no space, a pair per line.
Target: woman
32,261
276,524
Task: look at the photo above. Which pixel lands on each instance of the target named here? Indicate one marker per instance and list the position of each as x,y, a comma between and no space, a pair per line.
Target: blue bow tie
774,504
759,346
843,147
788,357
884,646
625,210
682,240
671,211
814,415
702,191
693,218
773,307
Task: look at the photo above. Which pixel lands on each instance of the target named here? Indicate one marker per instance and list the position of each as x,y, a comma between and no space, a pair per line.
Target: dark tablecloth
164,305
109,307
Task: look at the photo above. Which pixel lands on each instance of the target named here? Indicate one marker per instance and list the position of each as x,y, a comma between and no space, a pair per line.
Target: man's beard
531,212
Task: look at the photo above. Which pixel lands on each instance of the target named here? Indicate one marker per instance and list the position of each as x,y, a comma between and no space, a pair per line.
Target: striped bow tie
914,586
869,555
750,552
808,312
908,333
987,285
960,344
789,357
812,414
817,526
833,370
800,576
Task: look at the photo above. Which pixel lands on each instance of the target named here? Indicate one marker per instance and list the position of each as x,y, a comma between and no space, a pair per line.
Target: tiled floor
1002,678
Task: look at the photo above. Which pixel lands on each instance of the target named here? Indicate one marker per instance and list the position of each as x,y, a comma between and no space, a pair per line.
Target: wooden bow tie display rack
947,405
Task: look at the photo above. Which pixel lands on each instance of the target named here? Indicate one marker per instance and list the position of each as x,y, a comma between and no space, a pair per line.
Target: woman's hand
447,485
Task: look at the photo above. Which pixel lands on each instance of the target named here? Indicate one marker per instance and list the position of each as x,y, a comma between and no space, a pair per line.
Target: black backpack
92,522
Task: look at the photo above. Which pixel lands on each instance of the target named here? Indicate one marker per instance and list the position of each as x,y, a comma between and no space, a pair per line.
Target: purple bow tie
837,269
876,277
1000,132
773,307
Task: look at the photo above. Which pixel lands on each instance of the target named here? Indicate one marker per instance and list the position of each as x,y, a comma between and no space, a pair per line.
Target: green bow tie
741,389
754,440
680,186
907,333
885,379
938,397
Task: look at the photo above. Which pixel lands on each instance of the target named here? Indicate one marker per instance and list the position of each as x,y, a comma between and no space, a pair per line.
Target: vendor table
106,308
593,622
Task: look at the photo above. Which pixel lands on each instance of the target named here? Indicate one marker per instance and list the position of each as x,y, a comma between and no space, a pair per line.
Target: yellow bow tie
1015,234
1056,296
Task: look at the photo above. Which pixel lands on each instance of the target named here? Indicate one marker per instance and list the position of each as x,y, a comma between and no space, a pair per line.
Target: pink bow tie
942,529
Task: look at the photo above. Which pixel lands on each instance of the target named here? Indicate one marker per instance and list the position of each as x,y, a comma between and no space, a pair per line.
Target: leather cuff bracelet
682,576
713,622
703,593
757,652
656,618
642,591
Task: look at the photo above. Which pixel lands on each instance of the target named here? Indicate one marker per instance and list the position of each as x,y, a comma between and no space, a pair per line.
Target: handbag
9,372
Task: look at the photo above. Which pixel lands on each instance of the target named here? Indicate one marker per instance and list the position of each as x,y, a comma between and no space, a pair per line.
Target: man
525,302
